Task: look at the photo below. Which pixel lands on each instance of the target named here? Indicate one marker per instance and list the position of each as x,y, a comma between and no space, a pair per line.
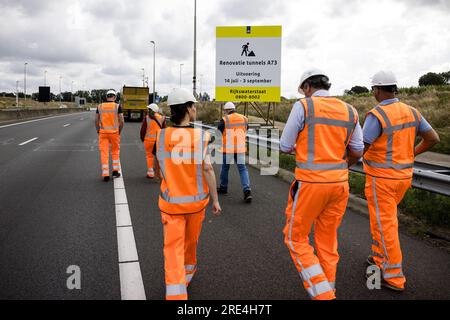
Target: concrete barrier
21,114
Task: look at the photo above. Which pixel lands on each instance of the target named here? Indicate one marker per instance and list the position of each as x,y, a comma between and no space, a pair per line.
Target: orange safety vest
180,153
234,135
321,151
153,126
109,117
392,154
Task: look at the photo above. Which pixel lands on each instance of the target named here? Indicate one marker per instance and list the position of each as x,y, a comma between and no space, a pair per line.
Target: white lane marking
125,240
26,142
42,119
131,283
130,275
123,215
120,195
66,125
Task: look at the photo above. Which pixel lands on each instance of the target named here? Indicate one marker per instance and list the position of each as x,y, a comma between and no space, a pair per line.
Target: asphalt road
55,212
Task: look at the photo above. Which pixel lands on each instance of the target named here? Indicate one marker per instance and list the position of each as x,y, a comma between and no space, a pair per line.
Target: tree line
429,79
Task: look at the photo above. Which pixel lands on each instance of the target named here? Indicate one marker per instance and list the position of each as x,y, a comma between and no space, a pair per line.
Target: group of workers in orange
327,138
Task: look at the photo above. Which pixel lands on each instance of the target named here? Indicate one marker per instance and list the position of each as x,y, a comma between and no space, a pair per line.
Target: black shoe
370,261
248,196
222,190
116,174
106,179
386,284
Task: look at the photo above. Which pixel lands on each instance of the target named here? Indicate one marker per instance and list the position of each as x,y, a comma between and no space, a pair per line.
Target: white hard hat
154,107
111,93
180,96
308,74
229,106
384,78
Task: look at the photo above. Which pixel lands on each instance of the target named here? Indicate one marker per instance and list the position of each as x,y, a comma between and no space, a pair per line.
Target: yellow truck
134,101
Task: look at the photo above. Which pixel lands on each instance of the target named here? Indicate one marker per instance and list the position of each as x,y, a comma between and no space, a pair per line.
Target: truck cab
134,101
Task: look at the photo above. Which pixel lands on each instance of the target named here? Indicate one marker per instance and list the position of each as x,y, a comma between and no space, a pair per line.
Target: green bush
357,184
444,145
432,208
287,162
432,79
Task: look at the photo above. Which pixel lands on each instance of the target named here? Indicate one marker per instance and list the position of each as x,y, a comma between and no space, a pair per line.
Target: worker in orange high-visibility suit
233,127
151,125
109,123
390,131
188,181
325,134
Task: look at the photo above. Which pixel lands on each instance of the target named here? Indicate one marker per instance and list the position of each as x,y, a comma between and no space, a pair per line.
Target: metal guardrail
435,180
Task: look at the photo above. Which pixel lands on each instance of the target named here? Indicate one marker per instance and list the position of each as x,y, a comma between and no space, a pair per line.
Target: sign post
248,64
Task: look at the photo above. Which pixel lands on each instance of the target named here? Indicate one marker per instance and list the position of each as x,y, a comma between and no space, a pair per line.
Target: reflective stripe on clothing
176,289
318,289
333,285
190,268
320,167
380,229
182,200
189,277
312,272
392,276
388,165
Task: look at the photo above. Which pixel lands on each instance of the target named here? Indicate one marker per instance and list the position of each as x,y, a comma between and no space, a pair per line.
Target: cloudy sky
106,43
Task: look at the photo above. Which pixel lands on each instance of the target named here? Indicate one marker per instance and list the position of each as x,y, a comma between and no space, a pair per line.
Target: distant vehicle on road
134,101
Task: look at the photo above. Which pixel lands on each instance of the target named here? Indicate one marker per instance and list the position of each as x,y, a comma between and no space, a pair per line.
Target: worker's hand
217,210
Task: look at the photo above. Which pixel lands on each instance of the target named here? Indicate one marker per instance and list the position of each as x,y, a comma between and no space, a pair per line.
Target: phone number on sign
245,97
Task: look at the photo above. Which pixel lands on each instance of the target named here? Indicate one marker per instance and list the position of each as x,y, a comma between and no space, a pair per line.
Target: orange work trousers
181,233
383,197
321,205
105,141
149,145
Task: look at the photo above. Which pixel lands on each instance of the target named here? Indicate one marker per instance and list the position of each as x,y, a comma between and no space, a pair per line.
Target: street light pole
201,83
25,82
17,93
143,77
194,80
71,92
60,93
154,70
181,65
